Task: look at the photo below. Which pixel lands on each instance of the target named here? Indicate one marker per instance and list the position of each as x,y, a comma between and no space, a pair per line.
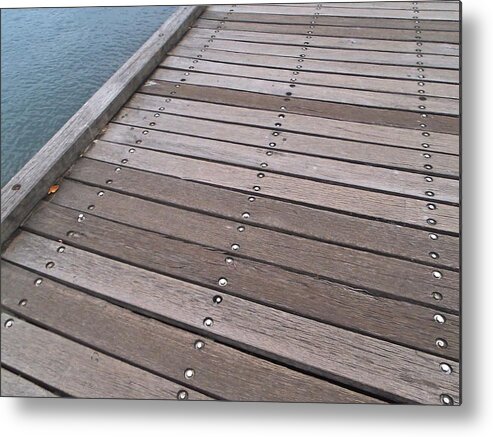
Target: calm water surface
53,60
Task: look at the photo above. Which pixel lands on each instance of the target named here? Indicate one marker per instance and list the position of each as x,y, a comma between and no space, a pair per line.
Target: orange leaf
53,189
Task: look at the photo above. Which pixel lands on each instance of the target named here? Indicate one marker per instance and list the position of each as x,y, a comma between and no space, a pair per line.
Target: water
53,60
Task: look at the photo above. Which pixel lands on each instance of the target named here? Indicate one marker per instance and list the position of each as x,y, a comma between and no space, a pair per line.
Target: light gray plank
16,386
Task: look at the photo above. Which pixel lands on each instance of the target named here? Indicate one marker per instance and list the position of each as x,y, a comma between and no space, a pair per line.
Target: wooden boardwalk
272,216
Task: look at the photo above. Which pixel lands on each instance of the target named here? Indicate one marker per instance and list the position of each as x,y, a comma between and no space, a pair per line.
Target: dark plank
365,203
321,59
163,349
352,22
16,386
370,272
404,242
365,362
406,102
32,182
77,370
321,169
333,31
293,127
336,111
311,78
254,34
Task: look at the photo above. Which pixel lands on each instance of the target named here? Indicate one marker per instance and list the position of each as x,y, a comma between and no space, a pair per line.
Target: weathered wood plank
304,77
367,56
438,75
16,386
318,60
337,12
351,200
353,22
284,129
332,31
371,272
375,365
422,5
163,349
437,105
31,183
358,175
311,35
77,370
336,111
403,242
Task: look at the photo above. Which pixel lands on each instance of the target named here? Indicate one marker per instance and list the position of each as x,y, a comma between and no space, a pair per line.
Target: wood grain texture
14,385
372,364
436,105
422,5
319,59
332,31
353,22
253,45
364,176
77,370
391,277
295,128
311,35
403,242
304,77
317,108
388,207
31,183
163,349
338,12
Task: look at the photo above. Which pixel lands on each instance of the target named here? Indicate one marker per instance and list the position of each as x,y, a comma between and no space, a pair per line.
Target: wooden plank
311,35
422,5
395,278
308,78
366,56
402,242
397,209
336,111
321,169
438,105
16,386
279,56
338,12
77,370
353,22
332,31
265,127
31,183
365,362
163,349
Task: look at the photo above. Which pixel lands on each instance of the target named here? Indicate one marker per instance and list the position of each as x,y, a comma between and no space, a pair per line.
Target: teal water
53,60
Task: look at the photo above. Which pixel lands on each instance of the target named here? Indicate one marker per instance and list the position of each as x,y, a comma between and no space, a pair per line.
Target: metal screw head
208,322
50,265
446,368
38,282
439,319
251,199
434,255
182,395
256,188
124,161
222,282
437,274
8,323
61,249
433,236
446,399
269,153
260,175
246,215
235,246
264,164
132,150
431,221
229,260
217,299
429,193
81,217
199,344
431,206
189,373
101,193
441,343
436,295
240,228
23,302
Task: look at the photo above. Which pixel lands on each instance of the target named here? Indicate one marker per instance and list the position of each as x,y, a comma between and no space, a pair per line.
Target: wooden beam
32,182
